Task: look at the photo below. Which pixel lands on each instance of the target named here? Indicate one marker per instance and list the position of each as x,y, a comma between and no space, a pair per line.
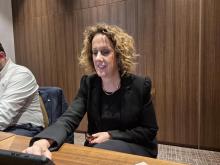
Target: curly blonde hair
123,45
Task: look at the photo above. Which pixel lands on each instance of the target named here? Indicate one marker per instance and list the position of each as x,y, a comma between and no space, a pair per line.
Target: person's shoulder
20,68
21,75
140,83
93,76
90,79
137,81
137,78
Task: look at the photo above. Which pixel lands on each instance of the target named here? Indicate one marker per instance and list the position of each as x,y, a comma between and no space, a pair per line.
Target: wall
210,75
6,28
178,46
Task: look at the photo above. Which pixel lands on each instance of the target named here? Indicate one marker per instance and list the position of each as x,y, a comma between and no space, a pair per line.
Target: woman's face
103,56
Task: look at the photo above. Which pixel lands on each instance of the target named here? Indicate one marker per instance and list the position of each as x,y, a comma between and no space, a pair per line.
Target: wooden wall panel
144,33
48,40
176,70
210,75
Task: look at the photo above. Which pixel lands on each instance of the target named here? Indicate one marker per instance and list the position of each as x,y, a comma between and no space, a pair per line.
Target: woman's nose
99,56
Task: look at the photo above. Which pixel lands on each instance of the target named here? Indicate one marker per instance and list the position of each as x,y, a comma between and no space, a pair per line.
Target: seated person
121,115
20,111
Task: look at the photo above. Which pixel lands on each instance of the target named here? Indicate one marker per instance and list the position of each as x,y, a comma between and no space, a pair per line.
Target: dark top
110,111
136,118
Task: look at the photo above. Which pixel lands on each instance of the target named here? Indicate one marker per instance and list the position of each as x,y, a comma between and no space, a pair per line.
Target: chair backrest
54,102
44,112
55,105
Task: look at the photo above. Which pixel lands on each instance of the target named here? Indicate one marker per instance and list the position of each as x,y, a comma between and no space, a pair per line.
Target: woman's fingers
100,137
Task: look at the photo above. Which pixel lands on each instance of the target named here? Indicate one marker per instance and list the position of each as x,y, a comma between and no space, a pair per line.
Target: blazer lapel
126,97
96,101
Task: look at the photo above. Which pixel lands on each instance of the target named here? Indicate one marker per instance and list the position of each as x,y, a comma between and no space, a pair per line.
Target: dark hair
1,48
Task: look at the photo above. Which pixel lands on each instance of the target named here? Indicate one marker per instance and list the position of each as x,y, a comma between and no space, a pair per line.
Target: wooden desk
77,154
70,154
14,142
5,135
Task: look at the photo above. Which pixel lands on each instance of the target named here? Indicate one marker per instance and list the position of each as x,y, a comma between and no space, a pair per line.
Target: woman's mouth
101,66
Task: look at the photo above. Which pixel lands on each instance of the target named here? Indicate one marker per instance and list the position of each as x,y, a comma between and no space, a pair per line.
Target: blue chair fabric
54,102
55,105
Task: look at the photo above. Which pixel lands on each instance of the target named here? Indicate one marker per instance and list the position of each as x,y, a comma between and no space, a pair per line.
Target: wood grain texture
210,75
87,155
48,40
176,70
5,135
70,154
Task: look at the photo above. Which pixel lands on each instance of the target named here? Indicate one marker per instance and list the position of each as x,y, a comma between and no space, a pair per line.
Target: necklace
108,93
111,93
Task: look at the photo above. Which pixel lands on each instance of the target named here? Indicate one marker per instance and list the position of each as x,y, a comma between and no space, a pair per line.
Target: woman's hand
100,137
40,147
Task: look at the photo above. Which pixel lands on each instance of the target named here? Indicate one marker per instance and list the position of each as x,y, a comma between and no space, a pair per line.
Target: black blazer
138,120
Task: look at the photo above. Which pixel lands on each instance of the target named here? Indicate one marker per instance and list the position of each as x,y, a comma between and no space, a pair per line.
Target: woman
120,112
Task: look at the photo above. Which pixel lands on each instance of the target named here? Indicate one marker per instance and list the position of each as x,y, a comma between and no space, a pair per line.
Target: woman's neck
111,84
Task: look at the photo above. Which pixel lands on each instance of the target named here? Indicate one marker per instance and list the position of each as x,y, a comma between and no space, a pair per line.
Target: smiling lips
101,66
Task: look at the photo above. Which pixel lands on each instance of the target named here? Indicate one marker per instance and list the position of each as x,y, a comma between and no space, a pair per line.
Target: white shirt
19,98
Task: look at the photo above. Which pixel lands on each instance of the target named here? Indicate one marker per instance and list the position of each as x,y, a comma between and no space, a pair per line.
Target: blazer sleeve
68,122
145,131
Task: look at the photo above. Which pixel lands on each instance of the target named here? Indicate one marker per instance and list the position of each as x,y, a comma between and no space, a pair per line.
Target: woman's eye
105,52
95,52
